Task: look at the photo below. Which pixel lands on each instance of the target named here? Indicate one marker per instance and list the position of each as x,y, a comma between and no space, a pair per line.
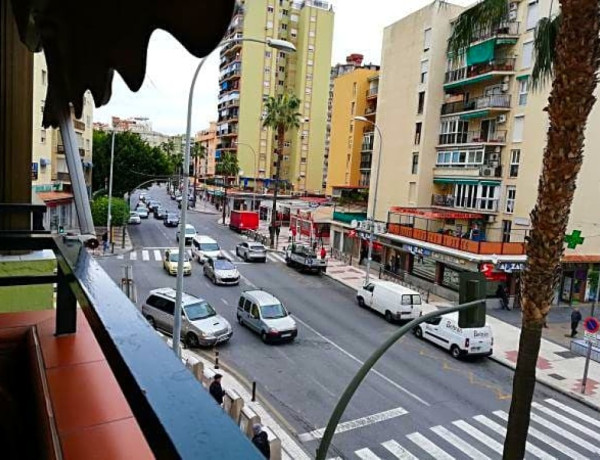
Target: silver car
221,271
264,314
251,251
200,325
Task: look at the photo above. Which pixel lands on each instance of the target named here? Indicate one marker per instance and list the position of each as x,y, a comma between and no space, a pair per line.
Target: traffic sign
590,338
591,325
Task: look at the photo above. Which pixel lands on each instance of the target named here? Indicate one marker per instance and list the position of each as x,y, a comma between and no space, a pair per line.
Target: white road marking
271,258
398,451
353,424
566,420
366,454
565,433
560,447
224,301
145,255
354,358
576,413
157,255
278,257
480,436
457,442
495,427
432,449
189,253
120,256
248,282
133,255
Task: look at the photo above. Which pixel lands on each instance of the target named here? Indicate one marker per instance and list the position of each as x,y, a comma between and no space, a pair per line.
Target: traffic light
472,286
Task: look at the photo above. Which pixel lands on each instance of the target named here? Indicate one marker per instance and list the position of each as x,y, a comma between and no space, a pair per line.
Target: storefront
60,212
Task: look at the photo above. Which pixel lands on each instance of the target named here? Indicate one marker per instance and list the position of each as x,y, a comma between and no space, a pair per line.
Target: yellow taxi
171,259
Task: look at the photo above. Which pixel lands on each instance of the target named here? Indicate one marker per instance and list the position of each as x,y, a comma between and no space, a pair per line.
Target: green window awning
482,52
468,81
522,77
453,180
489,182
477,114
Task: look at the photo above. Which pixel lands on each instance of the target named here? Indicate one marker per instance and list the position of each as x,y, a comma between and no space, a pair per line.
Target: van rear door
480,339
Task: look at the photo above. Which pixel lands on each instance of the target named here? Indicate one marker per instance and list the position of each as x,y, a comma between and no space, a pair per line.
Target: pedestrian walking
502,294
323,252
216,390
105,242
261,440
575,319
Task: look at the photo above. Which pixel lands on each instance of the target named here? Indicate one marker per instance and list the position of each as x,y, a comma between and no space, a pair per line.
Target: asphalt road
417,401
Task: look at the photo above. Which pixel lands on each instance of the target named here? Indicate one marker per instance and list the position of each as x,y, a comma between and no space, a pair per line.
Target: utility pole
110,188
274,210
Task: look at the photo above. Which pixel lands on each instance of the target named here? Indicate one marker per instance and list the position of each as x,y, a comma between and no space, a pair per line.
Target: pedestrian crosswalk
557,431
156,255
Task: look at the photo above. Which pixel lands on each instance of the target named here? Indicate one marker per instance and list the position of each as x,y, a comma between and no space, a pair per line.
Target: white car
393,301
249,250
221,271
190,233
203,247
134,218
265,314
445,332
142,212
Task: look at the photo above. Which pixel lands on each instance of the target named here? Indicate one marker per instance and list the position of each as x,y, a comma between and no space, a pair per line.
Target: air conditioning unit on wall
491,219
501,119
486,171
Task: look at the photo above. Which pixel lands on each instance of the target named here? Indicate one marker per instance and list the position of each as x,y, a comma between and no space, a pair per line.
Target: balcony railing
497,65
63,176
478,204
79,125
370,110
458,242
504,28
177,416
454,170
372,92
495,101
473,137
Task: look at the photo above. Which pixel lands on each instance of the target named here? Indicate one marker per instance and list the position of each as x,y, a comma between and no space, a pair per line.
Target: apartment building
208,139
463,144
141,126
50,177
251,72
351,142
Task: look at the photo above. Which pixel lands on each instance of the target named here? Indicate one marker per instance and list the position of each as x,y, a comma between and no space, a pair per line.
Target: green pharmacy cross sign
574,239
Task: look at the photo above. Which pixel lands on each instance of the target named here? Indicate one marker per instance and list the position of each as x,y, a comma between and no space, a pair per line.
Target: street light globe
281,45
360,118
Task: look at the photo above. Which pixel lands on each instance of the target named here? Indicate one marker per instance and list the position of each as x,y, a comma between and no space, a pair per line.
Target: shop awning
52,199
453,180
428,213
490,182
478,114
523,77
482,52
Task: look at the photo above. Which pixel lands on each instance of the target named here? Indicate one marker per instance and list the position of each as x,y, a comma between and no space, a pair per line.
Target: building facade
351,141
141,126
50,176
251,72
208,139
464,139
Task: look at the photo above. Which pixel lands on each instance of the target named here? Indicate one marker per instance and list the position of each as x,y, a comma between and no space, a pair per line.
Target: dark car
152,205
171,220
160,212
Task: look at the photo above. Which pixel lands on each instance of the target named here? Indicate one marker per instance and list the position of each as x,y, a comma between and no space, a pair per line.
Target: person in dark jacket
261,441
502,294
575,318
216,390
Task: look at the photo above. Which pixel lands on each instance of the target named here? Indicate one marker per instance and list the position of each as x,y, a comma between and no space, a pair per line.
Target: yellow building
251,72
208,139
351,142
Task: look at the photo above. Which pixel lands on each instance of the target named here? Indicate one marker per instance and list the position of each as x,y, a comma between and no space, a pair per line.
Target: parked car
171,219
142,212
461,341
220,270
142,196
159,212
248,250
395,302
152,204
134,218
243,220
190,233
263,313
200,325
171,260
303,258
203,247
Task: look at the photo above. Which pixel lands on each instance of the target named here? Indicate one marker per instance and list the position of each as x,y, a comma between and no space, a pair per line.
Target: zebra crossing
556,431
156,255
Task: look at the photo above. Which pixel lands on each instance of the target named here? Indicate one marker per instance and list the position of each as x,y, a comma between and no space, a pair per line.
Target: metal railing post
66,304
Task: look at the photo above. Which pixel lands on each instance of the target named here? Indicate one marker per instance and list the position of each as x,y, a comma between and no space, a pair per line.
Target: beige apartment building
462,153
251,72
51,182
208,139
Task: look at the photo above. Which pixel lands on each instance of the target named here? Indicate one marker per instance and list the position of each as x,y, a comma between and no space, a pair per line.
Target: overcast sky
163,97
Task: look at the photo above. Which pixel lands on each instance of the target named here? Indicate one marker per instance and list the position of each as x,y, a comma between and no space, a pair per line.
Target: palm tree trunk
280,140
569,105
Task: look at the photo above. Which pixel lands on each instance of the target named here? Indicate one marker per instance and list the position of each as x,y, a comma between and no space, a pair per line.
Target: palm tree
281,115
566,49
197,153
227,166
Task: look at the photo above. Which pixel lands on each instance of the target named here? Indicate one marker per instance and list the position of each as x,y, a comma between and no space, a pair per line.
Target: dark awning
85,43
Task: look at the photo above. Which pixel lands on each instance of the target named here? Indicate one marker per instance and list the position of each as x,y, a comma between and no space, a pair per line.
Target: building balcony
505,30
372,93
476,171
477,107
479,72
371,111
230,76
63,177
478,204
79,125
473,137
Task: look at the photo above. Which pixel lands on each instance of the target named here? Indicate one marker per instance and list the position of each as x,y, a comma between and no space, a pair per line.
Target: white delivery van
445,332
393,301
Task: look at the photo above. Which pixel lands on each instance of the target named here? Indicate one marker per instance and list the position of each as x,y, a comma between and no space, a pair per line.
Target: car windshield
224,264
200,310
190,231
174,257
133,214
257,247
273,311
209,247
140,209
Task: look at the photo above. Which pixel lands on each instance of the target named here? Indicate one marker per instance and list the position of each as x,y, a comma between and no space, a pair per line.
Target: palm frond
544,51
486,14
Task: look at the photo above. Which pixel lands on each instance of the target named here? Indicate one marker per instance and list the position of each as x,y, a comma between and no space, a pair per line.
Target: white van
445,332
204,247
395,302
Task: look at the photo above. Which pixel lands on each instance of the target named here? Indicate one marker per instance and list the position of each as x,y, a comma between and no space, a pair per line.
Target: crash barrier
233,404
257,236
341,256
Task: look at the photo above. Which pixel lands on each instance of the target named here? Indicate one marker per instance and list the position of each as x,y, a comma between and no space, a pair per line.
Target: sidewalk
557,366
117,246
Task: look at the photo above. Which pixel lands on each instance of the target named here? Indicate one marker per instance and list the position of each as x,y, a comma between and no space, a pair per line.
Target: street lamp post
110,187
281,45
372,230
255,170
